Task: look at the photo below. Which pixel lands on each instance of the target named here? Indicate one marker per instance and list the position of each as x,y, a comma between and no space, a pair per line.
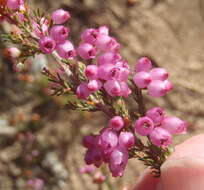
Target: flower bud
89,141
174,125
160,137
113,45
82,91
108,140
126,139
60,16
118,161
103,30
159,74
47,45
105,71
92,156
116,123
120,72
113,88
66,50
108,58
157,88
169,85
91,72
89,36
125,90
110,71
103,42
142,79
86,51
144,126
143,64
156,114
94,85
59,33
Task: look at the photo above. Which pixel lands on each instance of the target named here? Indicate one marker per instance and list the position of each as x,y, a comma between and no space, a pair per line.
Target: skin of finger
185,173
146,181
191,148
184,170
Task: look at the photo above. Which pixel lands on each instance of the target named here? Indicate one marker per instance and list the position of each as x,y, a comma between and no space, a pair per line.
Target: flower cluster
159,127
110,146
155,80
101,80
107,69
114,142
55,38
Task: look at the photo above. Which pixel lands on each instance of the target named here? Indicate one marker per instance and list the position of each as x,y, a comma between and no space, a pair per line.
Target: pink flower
82,91
118,161
156,114
174,125
86,51
89,35
161,137
60,16
142,79
103,42
47,45
113,45
108,58
116,123
125,90
143,64
14,4
113,88
159,74
157,88
169,85
94,85
126,139
59,33
122,71
116,88
105,71
110,72
144,126
103,30
108,140
91,71
93,156
66,50
89,141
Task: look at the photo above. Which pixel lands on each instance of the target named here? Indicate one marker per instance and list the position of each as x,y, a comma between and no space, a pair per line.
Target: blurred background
40,141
